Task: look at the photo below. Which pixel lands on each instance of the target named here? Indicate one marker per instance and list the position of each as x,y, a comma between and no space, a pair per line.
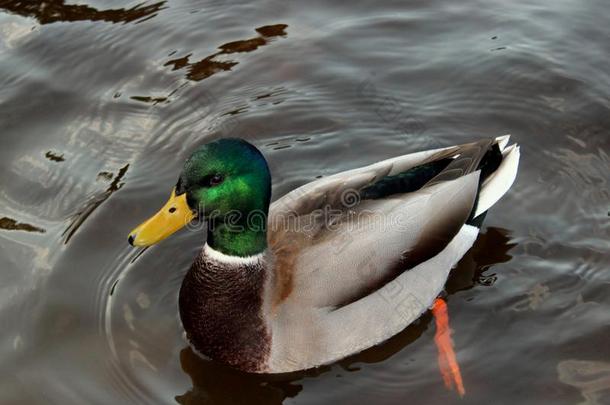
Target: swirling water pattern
102,101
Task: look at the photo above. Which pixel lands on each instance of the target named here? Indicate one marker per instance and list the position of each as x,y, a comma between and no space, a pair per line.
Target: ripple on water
101,104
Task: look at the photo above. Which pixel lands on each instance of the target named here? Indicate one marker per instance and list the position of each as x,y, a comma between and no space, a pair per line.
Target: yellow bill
174,215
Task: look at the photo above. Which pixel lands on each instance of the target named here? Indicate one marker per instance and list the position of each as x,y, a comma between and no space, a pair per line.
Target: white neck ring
224,258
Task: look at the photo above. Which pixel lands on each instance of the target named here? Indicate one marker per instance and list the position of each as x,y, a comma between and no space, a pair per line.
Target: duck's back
361,254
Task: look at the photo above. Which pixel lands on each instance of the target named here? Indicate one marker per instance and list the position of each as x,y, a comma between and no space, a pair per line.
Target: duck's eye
215,180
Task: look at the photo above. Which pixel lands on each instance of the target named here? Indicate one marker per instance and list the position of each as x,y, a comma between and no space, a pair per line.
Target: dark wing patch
467,161
405,182
462,161
440,230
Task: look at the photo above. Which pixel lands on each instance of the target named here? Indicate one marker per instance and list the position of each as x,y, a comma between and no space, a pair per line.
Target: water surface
101,101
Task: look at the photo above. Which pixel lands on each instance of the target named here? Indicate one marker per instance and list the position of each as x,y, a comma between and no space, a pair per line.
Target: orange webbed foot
447,361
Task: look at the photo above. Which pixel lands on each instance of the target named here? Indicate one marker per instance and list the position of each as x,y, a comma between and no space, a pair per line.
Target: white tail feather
498,183
503,141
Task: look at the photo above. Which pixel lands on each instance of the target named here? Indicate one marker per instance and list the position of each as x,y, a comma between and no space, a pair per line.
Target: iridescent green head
226,177
227,183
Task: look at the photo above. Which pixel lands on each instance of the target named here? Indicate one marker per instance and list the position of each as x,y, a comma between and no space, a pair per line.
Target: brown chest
221,311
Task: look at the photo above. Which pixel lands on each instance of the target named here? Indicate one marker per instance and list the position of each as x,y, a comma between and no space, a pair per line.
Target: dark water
101,101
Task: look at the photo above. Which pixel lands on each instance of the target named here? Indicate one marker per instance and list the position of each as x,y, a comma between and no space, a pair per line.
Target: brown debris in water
208,66
147,99
12,225
54,156
51,11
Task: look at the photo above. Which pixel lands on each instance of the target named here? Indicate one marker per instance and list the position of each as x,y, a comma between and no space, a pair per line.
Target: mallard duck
333,267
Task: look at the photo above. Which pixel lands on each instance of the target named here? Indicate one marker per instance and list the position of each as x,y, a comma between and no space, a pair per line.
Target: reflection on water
12,225
592,378
50,11
222,385
95,201
209,65
490,248
213,64
54,157
97,118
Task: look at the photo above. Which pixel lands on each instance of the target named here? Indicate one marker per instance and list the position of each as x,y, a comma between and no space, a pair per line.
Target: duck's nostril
130,239
172,210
